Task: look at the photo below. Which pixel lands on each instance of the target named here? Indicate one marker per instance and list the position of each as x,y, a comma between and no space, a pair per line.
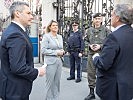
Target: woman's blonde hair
49,25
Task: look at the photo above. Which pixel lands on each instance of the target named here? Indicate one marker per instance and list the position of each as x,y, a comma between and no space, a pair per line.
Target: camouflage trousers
91,72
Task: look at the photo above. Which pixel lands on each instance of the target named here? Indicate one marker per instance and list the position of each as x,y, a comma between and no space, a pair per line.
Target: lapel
25,34
58,40
27,39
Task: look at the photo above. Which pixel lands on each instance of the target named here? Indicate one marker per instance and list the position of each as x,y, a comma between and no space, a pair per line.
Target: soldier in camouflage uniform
95,37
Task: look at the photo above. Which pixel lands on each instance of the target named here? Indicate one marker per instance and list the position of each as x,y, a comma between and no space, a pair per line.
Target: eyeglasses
75,25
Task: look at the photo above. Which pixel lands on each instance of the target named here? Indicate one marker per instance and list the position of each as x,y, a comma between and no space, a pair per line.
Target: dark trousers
75,59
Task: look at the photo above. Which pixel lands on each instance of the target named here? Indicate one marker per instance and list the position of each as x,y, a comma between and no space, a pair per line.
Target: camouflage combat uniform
94,36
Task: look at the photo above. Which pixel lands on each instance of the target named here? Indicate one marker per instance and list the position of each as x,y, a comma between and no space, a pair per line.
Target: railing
81,10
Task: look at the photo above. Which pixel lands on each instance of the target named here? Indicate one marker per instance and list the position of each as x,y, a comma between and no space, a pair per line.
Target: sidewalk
69,89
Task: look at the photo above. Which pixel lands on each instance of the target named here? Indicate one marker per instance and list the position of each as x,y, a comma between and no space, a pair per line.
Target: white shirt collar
20,25
118,27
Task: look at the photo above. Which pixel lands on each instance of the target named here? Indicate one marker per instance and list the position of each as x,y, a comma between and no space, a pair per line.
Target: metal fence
81,10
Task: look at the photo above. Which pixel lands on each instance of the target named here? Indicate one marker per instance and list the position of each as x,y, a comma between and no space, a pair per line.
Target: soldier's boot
91,96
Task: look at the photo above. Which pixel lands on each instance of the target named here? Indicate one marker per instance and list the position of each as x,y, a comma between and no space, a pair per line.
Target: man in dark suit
17,67
115,62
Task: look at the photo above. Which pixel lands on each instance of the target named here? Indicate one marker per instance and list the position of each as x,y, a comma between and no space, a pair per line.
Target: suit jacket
49,47
115,66
16,64
1,75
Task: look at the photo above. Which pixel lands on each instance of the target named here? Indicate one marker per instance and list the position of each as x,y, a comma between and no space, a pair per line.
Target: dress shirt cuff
95,55
38,73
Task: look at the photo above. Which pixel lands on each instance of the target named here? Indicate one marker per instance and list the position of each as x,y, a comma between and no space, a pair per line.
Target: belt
52,56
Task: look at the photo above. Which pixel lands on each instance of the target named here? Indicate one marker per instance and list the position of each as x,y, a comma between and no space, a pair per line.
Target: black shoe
90,97
78,80
70,78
